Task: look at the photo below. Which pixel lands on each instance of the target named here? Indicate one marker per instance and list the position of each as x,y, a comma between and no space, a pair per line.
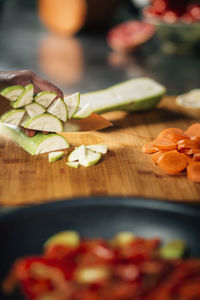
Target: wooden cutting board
123,171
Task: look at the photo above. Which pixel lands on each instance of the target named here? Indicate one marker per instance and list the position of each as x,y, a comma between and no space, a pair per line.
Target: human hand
24,77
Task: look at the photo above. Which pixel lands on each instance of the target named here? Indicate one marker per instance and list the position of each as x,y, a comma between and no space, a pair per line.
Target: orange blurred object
61,58
64,17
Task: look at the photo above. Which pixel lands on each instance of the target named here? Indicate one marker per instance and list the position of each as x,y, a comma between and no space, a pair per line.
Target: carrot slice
193,171
149,148
172,134
164,144
193,130
173,162
191,151
196,157
194,144
156,156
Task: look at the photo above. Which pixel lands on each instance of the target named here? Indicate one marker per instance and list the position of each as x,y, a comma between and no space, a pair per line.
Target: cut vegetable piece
172,134
98,148
83,112
13,116
91,158
131,95
190,99
44,122
68,238
53,156
12,92
59,109
91,274
79,152
173,250
194,144
39,143
172,162
164,144
123,238
193,171
193,130
149,148
196,157
25,97
72,164
45,98
72,103
34,109
156,156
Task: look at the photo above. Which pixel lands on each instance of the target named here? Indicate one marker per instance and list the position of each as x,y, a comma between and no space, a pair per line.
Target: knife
91,123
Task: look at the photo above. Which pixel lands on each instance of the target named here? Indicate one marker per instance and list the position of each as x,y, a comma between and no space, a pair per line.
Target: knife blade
91,123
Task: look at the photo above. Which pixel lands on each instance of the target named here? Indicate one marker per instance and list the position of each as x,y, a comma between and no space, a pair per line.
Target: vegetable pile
85,156
41,112
175,151
126,267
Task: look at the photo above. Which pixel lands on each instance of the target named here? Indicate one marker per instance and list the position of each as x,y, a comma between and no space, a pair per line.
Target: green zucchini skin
122,97
29,144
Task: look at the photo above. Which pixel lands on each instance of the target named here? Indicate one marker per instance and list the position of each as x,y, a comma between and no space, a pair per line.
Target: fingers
44,85
24,77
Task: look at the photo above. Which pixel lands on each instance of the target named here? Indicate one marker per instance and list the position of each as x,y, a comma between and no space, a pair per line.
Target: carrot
173,162
196,157
193,130
164,144
193,171
194,144
156,156
149,148
172,134
191,151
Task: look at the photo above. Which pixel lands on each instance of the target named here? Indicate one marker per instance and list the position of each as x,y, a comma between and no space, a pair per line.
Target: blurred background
80,46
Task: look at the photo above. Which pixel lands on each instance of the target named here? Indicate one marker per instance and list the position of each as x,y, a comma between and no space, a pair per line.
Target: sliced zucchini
44,122
123,238
173,250
77,154
69,238
45,98
83,112
53,156
72,103
34,109
91,158
25,97
12,92
98,148
59,109
131,95
88,275
72,164
39,143
13,116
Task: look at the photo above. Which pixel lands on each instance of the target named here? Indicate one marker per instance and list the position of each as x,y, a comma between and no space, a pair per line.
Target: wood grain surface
123,171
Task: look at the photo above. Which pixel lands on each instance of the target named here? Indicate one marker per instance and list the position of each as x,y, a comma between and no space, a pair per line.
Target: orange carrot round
193,171
172,134
149,148
172,162
156,156
196,157
164,144
193,130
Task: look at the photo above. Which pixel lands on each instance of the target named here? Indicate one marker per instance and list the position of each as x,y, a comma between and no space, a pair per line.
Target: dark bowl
24,231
